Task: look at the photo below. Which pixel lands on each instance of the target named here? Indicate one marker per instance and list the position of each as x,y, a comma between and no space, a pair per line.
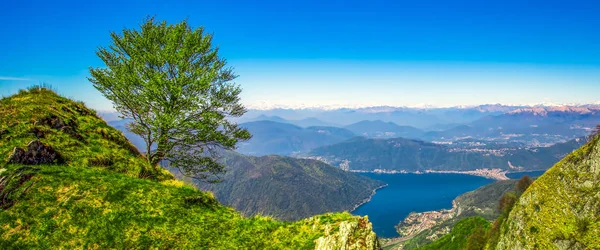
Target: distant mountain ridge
546,125
270,137
305,122
544,111
419,117
381,129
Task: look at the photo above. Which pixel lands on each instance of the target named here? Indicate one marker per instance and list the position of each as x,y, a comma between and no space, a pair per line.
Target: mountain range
421,118
533,126
467,150
269,137
399,154
545,125
305,122
381,129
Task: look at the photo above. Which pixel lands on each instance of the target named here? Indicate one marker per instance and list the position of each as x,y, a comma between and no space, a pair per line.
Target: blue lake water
406,193
518,175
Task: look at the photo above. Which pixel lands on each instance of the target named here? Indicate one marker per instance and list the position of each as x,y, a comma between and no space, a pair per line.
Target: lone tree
523,184
171,82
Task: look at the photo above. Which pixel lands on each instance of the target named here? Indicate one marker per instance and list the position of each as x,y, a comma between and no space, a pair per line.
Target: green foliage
123,203
523,184
171,81
288,188
477,240
494,232
468,230
506,202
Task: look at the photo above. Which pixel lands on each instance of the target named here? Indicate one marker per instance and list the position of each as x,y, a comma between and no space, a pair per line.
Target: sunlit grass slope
561,209
103,194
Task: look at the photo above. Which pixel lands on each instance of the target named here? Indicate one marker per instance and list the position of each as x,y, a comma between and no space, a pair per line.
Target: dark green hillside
401,154
412,155
484,200
96,191
289,188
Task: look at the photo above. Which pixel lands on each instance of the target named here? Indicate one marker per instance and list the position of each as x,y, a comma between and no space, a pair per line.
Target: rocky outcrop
560,210
54,122
350,235
69,127
36,153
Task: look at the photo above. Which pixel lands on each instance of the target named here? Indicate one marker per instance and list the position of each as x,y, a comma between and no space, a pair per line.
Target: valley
299,125
394,169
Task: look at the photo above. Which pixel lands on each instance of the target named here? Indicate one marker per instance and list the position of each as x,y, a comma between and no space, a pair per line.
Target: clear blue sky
341,52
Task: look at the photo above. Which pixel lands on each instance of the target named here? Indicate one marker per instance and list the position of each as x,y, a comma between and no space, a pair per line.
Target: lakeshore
407,193
368,199
494,173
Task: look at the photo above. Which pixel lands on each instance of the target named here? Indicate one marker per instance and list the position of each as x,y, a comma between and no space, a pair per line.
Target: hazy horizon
346,54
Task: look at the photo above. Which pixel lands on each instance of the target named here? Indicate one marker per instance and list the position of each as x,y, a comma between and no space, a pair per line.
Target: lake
406,193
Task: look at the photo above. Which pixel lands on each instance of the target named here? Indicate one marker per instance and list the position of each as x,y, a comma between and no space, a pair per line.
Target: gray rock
36,153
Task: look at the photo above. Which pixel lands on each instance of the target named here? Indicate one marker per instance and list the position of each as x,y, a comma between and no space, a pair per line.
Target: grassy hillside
561,209
458,238
99,192
289,188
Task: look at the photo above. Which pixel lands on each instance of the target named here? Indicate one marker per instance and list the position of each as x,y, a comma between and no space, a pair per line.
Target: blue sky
402,53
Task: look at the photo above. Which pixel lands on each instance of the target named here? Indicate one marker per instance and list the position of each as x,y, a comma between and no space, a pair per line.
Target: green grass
458,237
71,207
107,196
91,143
